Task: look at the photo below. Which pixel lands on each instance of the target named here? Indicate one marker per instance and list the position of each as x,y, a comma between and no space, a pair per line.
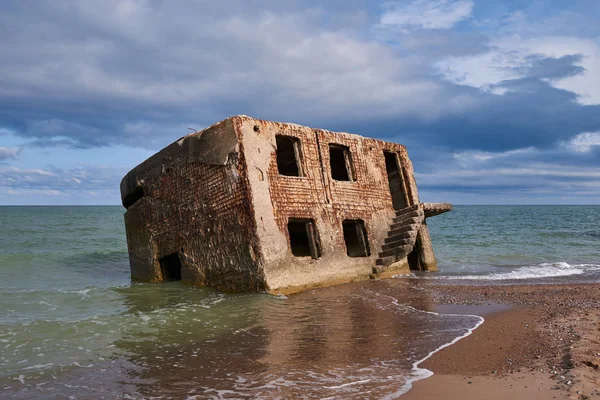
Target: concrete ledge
433,209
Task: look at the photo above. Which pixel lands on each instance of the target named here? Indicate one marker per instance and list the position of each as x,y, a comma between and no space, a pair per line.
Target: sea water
72,325
541,244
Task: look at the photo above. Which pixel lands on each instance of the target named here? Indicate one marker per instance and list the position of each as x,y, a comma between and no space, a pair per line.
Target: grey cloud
103,65
437,45
104,68
102,73
552,68
531,174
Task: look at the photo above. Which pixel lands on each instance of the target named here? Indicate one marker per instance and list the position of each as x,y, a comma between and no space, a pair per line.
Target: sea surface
73,325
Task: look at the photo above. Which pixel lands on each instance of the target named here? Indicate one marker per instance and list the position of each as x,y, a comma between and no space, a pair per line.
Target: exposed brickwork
318,195
297,197
218,200
196,210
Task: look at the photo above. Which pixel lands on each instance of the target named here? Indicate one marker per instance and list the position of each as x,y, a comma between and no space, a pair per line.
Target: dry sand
547,346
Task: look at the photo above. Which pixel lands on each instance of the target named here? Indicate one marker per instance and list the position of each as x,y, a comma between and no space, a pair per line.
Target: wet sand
546,346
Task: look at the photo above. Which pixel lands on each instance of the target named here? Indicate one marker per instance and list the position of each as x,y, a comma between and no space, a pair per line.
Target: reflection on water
172,341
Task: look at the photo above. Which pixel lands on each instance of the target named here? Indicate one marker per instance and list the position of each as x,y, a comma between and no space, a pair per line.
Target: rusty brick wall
317,194
297,197
201,211
367,193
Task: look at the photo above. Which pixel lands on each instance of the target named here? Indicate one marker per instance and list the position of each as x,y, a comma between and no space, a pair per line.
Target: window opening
133,197
303,238
170,267
355,236
395,180
341,163
288,155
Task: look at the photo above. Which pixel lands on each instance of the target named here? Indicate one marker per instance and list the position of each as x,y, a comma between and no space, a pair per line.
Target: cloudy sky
498,101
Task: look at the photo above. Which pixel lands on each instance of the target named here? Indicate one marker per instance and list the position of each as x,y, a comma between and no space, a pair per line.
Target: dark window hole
355,236
391,165
303,238
133,197
288,155
341,163
170,267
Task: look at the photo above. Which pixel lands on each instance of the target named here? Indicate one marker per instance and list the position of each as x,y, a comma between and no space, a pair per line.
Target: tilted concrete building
252,205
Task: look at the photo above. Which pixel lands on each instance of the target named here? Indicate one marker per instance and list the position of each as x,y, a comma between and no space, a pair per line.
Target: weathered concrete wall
196,204
424,249
217,200
277,198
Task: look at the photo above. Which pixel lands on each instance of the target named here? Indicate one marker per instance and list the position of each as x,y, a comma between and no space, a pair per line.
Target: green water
72,325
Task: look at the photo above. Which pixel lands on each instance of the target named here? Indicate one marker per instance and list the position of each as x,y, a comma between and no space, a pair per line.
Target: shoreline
537,342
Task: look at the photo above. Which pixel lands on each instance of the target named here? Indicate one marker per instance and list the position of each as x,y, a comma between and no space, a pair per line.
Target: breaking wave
544,270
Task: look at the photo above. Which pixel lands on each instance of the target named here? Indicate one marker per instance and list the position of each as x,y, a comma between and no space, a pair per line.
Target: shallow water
72,324
169,340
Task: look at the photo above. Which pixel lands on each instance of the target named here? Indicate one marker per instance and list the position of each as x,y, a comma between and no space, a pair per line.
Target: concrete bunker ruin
249,205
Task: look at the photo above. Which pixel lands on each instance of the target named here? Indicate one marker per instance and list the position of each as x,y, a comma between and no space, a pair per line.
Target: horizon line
119,205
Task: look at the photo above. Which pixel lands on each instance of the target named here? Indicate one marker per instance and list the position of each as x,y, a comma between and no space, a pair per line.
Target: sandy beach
545,346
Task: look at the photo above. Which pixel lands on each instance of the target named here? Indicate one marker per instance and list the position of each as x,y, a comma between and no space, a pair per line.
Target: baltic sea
73,324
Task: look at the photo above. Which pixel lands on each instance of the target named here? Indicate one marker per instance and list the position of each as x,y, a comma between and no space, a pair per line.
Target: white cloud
83,185
584,142
9,152
35,192
509,57
425,14
468,158
6,171
80,178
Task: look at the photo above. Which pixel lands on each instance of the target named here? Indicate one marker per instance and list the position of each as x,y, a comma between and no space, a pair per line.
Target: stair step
404,235
386,260
409,221
407,210
402,230
415,213
399,251
398,243
401,237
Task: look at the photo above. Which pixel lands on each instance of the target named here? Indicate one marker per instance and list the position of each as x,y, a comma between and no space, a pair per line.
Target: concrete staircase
401,237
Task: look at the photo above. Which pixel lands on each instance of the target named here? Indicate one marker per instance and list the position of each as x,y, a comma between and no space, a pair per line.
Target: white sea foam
422,373
39,366
144,317
544,270
81,365
348,384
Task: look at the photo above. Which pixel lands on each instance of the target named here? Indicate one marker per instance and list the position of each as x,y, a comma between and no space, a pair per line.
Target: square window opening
288,155
303,238
133,197
340,162
170,267
355,236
